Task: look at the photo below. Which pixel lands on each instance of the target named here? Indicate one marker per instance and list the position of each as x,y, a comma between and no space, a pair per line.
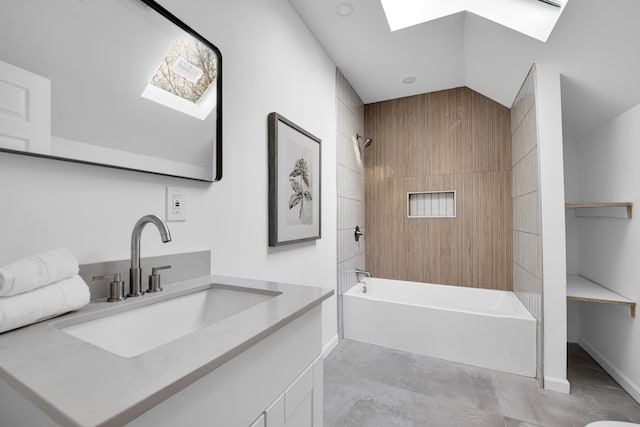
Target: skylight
535,18
185,79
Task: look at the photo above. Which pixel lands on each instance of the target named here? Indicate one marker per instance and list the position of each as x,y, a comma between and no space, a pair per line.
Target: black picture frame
126,160
294,183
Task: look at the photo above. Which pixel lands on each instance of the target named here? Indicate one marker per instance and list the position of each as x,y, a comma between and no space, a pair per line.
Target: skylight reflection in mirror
184,80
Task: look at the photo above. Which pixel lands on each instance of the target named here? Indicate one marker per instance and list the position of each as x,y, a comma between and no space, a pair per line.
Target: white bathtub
479,327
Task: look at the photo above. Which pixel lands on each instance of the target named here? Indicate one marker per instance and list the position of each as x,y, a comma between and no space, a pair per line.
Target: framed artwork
294,183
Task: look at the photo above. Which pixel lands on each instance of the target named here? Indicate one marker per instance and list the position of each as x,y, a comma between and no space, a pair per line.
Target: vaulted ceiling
595,46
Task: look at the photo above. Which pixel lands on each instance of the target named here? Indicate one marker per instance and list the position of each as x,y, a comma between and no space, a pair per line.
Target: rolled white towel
42,303
36,271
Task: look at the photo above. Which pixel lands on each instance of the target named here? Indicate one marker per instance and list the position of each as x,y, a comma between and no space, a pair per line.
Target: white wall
609,247
549,114
570,155
270,63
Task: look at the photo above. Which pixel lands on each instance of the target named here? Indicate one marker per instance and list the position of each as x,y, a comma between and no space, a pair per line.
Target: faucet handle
116,287
154,270
117,277
154,279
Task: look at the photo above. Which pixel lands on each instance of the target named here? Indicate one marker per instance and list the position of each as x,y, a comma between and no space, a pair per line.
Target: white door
25,110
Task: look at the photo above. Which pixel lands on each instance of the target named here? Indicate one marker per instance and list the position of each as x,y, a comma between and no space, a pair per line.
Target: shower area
452,197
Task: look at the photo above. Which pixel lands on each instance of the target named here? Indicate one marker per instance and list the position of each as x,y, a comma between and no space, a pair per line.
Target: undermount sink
136,331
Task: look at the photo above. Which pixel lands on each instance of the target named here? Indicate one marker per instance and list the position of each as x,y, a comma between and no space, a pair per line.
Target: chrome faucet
135,273
365,274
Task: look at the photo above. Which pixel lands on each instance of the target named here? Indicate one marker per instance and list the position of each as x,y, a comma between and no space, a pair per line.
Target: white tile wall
349,154
527,252
525,137
350,182
525,174
525,99
348,248
350,213
527,239
526,213
528,295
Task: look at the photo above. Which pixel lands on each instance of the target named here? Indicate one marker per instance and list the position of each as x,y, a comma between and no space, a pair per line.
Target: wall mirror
120,83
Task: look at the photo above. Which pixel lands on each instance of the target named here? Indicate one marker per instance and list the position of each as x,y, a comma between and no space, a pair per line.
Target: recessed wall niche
431,204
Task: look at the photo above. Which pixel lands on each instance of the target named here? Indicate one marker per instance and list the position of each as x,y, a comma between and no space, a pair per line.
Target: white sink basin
131,333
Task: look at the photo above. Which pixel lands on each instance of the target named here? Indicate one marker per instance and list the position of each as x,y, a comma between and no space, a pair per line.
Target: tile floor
370,386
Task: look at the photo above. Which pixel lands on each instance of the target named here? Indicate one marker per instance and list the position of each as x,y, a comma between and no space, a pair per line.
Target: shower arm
365,141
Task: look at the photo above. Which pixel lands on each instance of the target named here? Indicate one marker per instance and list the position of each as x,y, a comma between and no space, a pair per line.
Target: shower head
365,141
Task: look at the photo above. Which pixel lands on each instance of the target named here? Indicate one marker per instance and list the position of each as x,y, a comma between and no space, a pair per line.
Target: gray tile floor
370,386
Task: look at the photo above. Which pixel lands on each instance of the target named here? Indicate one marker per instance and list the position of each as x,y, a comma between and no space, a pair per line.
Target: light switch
176,204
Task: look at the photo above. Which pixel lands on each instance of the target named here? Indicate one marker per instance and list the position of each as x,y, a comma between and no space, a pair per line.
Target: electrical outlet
176,204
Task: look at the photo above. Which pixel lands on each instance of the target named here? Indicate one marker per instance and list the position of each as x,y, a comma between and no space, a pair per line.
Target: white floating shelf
605,209
582,289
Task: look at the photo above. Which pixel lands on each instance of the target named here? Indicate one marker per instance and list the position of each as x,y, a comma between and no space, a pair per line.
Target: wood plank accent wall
456,140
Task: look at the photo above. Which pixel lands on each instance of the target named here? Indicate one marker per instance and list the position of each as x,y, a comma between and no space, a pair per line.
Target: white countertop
79,384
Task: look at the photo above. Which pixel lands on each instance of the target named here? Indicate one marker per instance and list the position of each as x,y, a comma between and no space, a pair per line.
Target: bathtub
480,327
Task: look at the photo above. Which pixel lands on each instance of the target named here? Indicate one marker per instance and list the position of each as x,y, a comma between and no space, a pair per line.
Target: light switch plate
176,203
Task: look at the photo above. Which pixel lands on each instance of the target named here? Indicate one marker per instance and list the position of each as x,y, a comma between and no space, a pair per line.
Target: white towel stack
40,287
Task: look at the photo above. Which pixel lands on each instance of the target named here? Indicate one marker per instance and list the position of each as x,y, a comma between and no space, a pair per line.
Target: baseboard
328,348
561,385
627,383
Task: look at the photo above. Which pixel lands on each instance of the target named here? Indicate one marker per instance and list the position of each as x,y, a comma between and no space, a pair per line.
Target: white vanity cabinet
301,404
280,377
261,366
275,382
260,422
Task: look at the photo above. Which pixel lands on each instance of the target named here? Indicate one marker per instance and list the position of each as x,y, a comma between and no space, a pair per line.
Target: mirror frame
218,131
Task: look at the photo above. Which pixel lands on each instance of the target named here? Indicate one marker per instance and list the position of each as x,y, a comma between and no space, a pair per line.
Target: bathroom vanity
248,354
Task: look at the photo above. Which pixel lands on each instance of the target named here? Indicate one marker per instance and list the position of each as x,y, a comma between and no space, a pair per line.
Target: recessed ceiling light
345,9
409,80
